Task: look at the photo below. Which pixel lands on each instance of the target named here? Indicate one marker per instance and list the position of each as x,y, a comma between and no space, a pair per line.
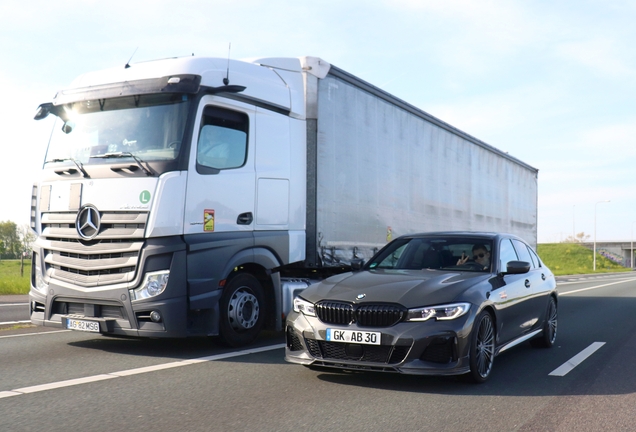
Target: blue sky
552,83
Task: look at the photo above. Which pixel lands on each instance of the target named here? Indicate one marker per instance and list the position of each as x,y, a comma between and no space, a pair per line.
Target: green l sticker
144,197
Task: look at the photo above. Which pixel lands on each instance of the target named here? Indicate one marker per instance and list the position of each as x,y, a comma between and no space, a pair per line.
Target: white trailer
194,196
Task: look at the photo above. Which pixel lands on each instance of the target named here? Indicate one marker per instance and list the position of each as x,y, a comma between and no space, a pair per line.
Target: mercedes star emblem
88,222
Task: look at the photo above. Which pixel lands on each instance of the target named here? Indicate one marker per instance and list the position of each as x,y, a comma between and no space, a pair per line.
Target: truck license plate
81,325
353,336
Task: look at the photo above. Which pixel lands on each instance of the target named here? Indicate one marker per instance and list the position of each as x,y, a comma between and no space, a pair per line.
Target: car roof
472,234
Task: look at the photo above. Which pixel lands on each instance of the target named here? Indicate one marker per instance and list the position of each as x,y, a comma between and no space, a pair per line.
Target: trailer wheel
242,310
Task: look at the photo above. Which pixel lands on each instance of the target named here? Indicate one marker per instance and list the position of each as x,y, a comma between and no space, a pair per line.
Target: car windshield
149,127
442,253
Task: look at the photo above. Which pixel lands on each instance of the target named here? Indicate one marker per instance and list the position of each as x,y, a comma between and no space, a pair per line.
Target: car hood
410,288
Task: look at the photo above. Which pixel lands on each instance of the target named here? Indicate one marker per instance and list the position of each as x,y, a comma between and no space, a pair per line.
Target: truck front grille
93,310
110,258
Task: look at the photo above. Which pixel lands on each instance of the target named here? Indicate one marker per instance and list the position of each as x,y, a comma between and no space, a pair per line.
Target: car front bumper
422,348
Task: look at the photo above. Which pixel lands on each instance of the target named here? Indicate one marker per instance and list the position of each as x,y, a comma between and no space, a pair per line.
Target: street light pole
595,230
631,248
573,230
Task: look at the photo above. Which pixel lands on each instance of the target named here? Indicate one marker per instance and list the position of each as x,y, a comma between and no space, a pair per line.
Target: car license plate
354,336
81,325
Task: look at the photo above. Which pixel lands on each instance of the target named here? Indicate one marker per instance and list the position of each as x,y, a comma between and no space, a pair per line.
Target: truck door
221,179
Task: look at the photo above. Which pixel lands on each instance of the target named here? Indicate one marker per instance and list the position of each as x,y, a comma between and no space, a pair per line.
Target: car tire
242,311
482,348
549,333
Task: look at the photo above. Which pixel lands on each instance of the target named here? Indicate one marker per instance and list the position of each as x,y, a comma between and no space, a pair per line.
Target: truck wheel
242,311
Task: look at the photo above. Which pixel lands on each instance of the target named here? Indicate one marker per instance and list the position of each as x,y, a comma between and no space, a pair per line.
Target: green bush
572,258
10,280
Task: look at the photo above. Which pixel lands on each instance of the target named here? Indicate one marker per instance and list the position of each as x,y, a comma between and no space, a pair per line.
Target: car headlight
304,306
154,284
442,312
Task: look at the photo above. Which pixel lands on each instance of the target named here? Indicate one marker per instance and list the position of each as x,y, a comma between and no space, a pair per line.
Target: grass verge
571,258
10,280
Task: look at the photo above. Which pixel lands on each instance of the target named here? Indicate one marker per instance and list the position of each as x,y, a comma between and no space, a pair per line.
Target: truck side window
222,140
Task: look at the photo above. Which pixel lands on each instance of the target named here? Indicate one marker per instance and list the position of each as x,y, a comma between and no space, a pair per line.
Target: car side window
222,142
522,252
535,258
506,254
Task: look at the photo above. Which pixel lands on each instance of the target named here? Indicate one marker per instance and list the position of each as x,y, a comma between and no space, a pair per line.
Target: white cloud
501,110
604,55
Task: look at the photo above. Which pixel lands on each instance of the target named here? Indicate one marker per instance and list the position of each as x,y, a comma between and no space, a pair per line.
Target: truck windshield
149,127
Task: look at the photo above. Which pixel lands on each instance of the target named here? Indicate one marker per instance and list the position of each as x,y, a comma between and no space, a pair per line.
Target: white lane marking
14,304
575,281
129,372
576,360
595,287
15,322
60,384
35,334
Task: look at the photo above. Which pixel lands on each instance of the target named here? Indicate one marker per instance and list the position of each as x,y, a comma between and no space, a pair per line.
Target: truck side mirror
43,111
517,267
67,127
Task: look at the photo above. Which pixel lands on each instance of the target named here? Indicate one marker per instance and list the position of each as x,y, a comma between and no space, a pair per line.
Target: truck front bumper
112,310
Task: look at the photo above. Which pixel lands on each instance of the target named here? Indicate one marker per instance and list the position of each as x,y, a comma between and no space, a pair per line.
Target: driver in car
480,255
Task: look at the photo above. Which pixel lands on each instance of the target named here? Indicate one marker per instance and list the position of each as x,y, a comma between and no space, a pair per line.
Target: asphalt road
67,381
14,308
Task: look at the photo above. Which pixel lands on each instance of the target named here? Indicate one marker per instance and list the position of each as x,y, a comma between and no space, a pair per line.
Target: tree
9,240
579,238
27,238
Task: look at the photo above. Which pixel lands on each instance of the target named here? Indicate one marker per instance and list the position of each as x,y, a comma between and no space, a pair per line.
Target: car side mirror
357,264
517,267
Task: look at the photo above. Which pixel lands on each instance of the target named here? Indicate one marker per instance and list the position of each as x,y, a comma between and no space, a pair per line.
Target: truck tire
242,310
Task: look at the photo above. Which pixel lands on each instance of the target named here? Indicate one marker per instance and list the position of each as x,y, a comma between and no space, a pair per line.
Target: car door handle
527,283
245,218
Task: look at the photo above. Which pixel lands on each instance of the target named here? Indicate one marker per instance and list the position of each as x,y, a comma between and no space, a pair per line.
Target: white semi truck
196,196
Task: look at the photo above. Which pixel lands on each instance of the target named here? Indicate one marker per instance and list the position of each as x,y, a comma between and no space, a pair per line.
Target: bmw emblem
361,296
88,222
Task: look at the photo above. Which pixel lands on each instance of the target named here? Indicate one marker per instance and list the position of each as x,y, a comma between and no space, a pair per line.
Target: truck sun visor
168,84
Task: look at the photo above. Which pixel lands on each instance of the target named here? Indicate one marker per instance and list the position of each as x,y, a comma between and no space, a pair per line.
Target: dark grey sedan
432,304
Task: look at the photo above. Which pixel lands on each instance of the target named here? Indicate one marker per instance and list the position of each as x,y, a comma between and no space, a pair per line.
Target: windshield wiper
77,163
119,155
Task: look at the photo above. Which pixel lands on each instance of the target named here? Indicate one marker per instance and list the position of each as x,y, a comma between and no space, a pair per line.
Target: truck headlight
441,312
38,277
154,284
304,307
